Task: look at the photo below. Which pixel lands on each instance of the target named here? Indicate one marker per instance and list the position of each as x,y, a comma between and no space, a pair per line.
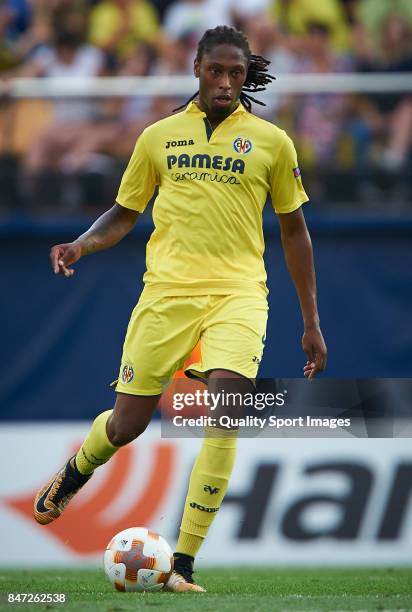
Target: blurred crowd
368,136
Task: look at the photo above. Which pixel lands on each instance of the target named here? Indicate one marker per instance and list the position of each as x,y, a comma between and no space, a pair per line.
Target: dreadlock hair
257,76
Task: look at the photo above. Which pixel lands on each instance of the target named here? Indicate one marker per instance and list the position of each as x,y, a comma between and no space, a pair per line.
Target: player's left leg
231,346
208,482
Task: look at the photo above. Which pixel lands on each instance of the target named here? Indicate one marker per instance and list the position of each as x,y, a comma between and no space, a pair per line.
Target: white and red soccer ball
138,559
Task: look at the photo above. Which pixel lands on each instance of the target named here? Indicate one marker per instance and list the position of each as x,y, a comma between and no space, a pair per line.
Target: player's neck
215,121
213,118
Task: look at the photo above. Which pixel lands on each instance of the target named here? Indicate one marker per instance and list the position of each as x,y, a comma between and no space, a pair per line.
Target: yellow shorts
163,331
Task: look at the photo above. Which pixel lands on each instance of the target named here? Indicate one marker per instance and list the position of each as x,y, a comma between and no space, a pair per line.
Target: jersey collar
192,107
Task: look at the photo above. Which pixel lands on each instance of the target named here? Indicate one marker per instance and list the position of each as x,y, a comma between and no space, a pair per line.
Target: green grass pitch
235,589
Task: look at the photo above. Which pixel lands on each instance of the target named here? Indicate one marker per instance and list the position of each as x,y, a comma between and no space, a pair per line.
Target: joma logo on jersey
179,143
217,162
242,145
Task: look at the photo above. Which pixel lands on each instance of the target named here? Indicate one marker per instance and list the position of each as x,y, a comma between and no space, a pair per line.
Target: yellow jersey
213,184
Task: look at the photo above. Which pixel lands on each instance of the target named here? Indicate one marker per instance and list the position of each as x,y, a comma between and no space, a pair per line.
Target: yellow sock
96,448
207,487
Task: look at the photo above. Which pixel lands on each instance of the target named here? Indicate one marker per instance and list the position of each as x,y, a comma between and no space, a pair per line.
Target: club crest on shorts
127,373
242,145
296,172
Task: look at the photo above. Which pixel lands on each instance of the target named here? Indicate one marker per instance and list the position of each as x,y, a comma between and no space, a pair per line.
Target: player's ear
196,68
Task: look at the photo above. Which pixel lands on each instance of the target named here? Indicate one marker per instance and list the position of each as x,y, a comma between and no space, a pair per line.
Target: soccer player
214,164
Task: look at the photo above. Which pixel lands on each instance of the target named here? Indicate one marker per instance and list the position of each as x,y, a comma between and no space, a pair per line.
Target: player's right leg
110,430
161,332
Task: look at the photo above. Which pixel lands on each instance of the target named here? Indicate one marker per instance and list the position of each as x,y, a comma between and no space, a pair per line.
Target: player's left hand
314,346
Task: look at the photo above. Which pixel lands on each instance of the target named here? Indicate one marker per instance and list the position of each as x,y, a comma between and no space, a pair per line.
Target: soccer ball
137,559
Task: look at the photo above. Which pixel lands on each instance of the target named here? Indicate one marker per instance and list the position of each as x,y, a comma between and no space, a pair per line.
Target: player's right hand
64,255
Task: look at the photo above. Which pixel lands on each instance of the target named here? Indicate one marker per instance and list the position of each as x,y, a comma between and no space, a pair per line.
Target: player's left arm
297,247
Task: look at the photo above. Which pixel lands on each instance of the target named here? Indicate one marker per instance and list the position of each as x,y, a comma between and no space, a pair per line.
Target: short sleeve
286,186
139,179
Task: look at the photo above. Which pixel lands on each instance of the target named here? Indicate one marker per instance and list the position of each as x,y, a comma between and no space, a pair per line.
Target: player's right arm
105,232
135,191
